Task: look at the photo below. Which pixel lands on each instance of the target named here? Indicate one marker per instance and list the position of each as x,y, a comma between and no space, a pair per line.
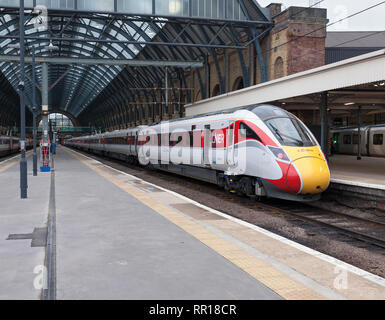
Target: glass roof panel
92,5
76,90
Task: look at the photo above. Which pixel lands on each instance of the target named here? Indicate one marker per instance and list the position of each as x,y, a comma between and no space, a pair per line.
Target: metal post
44,96
23,161
359,133
34,110
324,122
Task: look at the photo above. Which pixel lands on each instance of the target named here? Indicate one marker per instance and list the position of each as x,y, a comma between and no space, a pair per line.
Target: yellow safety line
11,163
7,166
277,281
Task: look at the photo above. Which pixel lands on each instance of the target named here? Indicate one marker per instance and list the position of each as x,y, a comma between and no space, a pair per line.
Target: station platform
119,237
369,172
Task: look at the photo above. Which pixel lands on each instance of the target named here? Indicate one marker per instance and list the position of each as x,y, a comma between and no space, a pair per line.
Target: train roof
353,128
263,111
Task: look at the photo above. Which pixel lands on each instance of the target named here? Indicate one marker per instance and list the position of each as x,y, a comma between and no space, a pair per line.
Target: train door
136,142
230,145
207,145
377,142
336,143
131,143
367,142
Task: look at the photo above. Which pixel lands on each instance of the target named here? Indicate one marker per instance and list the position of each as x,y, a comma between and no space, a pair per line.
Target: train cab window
246,132
291,132
266,112
378,139
347,139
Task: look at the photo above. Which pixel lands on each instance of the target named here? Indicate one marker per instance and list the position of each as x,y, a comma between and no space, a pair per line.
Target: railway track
363,229
370,231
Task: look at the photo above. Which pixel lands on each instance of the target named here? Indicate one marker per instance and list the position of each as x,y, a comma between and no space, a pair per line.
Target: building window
198,96
278,68
216,90
238,84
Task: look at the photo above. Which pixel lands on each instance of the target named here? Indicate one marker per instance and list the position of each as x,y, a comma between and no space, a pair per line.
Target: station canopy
113,33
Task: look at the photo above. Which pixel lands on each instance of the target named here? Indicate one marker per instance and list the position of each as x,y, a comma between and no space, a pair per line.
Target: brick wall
299,40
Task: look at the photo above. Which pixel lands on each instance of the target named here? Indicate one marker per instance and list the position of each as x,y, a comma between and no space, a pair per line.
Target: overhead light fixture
14,46
51,47
349,103
174,7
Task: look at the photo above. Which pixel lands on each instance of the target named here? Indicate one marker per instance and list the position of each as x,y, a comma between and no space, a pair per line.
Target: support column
23,161
34,111
44,96
359,133
324,123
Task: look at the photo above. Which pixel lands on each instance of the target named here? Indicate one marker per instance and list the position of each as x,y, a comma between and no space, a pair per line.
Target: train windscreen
291,132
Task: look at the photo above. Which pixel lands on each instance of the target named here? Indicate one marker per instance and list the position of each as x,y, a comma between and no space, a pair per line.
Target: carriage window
246,132
347,139
175,138
378,139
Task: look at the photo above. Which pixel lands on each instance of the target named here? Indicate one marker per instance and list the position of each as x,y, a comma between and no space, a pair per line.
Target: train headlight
279,153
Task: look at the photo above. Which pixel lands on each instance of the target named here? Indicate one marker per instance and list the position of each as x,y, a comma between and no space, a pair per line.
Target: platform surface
112,246
368,172
119,237
21,264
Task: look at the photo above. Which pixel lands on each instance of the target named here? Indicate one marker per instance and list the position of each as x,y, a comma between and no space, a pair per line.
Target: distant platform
119,237
368,172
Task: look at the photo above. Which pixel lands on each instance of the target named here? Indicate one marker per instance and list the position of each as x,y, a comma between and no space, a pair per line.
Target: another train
10,145
345,141
259,151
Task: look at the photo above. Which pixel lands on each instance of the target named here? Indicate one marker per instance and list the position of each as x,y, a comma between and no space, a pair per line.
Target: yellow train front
300,170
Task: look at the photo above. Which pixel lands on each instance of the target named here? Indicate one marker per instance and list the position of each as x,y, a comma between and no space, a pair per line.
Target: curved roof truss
187,34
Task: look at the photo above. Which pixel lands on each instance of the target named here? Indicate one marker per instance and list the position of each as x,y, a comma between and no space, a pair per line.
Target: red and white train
9,145
258,151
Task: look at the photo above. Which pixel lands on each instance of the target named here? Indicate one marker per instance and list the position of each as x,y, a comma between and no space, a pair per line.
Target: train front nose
315,174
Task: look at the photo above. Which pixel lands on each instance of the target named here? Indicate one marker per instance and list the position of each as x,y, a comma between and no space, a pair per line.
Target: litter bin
53,148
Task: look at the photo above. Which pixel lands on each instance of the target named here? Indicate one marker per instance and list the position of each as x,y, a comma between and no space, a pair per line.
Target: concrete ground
112,246
18,260
369,171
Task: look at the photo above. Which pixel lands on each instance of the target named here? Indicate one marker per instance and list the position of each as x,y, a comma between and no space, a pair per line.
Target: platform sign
22,146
